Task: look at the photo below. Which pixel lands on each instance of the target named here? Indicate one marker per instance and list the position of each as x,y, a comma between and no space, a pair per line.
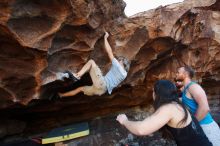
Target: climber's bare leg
86,68
71,93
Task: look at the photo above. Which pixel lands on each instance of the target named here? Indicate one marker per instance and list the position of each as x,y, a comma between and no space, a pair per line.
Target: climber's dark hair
165,93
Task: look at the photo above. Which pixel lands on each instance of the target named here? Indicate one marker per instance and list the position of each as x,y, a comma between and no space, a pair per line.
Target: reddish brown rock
39,38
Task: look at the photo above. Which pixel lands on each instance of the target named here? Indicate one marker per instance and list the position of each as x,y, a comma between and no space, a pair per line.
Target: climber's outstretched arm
108,47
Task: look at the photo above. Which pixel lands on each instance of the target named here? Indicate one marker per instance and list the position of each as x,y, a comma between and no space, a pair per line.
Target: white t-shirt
115,75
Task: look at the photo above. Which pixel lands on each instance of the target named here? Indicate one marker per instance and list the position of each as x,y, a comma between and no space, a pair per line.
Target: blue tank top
192,106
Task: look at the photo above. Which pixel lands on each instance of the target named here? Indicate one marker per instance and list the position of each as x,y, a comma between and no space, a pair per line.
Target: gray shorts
99,85
212,131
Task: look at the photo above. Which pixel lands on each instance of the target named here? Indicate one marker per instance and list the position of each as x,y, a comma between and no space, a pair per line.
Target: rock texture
106,131
116,135
39,38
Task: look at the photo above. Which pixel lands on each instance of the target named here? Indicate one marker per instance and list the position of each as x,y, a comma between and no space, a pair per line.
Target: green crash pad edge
66,133
65,137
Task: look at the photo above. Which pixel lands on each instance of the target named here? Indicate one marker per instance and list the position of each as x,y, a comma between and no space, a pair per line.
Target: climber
101,84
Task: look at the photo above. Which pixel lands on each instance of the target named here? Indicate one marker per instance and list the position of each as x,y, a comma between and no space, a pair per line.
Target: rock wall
39,38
